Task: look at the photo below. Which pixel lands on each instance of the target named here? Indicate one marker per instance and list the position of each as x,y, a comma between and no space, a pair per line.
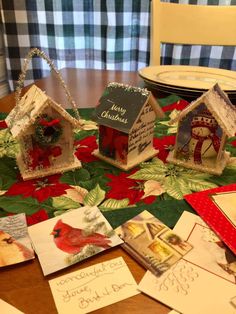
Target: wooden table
24,285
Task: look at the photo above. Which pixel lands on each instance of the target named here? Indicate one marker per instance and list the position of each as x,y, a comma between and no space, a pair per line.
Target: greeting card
217,207
93,287
7,308
152,243
199,283
71,237
15,244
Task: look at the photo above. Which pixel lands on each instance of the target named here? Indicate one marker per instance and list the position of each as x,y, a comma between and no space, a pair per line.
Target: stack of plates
188,81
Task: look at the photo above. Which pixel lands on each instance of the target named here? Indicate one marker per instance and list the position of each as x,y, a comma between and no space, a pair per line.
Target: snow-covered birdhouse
203,128
44,131
126,116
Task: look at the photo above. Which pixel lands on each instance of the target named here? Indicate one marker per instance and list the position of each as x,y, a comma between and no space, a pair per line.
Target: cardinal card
204,280
71,237
15,244
151,243
217,207
93,287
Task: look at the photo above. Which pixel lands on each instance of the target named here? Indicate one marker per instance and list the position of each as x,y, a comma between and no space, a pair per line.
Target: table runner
120,195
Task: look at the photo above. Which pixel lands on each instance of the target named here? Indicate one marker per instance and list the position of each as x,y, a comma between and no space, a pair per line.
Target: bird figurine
71,240
12,251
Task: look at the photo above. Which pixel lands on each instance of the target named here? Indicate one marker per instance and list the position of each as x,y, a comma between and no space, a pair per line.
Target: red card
217,207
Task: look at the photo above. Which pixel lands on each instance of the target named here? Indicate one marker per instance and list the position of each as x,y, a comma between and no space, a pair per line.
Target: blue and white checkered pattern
209,56
98,34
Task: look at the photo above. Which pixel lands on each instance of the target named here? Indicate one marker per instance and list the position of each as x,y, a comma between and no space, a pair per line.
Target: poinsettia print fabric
153,184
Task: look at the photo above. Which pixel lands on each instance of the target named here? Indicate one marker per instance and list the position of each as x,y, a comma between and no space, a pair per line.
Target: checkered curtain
209,56
100,34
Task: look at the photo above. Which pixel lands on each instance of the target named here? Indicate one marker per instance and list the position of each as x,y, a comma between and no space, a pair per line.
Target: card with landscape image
152,243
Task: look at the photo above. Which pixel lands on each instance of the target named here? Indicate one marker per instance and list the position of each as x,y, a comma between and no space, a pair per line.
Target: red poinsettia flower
3,124
41,188
124,187
179,105
85,147
39,216
164,144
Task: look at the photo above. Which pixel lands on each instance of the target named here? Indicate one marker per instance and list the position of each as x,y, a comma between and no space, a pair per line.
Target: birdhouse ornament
126,117
203,128
43,129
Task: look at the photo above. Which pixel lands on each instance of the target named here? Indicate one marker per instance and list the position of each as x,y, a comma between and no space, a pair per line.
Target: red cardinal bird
72,240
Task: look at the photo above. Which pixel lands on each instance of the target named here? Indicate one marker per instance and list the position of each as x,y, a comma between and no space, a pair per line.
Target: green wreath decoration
47,130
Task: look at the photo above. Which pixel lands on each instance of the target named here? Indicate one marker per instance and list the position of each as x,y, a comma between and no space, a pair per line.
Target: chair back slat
190,24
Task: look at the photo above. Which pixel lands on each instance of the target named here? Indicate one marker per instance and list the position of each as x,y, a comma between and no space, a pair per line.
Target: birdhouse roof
31,105
120,105
219,105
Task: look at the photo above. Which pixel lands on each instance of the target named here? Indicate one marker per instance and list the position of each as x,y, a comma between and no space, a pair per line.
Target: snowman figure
204,142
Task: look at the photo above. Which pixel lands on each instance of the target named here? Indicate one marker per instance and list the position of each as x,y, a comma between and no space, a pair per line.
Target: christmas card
217,207
15,244
151,243
71,237
93,287
204,281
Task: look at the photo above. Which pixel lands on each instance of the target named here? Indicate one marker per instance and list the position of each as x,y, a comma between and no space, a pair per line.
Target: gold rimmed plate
189,77
160,90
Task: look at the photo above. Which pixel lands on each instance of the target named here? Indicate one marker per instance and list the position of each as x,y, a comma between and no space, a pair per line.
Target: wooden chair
190,24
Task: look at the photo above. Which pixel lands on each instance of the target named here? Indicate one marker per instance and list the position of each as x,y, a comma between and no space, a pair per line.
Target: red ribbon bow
41,157
49,123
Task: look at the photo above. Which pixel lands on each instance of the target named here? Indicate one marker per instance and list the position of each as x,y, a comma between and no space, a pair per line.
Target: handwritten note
93,287
142,133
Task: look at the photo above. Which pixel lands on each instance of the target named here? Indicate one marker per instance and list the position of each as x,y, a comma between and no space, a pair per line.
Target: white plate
190,77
